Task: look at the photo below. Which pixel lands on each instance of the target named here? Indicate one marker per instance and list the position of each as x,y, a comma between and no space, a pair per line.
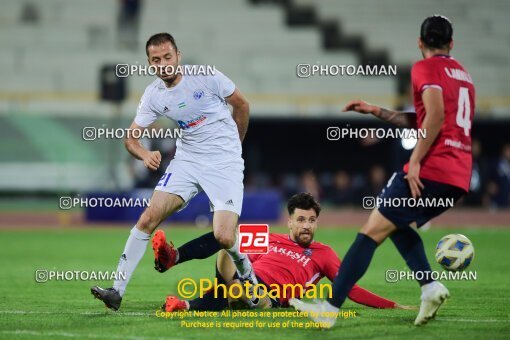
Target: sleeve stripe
434,86
315,277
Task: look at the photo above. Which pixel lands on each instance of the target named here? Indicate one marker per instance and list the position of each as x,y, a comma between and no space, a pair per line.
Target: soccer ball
454,252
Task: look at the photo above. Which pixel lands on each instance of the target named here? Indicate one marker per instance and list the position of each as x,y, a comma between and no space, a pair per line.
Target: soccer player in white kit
208,157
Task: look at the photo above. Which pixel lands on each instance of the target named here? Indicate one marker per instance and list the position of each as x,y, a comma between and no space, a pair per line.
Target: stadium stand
50,67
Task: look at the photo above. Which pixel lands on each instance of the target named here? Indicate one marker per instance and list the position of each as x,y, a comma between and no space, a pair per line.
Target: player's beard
304,239
170,80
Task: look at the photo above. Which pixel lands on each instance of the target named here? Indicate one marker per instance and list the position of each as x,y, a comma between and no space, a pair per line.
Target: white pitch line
474,320
35,333
461,320
21,312
75,335
71,313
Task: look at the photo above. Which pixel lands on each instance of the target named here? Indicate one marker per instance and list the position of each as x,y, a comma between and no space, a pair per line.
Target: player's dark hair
303,201
158,39
436,32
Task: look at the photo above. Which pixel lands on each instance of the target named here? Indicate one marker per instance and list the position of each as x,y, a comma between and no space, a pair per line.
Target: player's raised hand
413,178
152,160
360,106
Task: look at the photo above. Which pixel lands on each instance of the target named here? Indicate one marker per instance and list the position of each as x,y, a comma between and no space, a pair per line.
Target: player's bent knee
377,232
149,221
373,234
378,227
368,230
226,240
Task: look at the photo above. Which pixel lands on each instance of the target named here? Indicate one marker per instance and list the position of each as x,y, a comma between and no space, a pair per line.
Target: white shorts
223,184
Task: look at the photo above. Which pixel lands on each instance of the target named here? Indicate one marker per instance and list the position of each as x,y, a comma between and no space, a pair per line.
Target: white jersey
197,105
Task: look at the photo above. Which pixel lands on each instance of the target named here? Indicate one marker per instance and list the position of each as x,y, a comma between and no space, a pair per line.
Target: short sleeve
145,115
221,84
424,76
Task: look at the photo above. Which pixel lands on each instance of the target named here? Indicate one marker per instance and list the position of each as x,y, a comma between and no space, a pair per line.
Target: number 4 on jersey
464,110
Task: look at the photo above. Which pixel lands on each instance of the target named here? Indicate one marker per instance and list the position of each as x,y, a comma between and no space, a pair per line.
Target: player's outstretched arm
406,307
151,159
398,118
241,112
367,298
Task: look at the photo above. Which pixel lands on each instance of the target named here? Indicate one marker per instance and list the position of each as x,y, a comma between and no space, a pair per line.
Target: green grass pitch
60,309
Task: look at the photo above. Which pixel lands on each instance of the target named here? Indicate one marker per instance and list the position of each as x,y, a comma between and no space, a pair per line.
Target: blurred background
57,63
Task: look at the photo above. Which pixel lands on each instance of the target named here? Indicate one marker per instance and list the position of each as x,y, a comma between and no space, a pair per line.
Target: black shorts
403,215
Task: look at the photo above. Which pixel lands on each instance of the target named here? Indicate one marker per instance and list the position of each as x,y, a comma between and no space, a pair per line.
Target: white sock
133,253
242,263
176,255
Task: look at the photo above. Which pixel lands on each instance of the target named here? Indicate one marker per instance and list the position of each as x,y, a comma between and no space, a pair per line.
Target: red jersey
289,263
449,159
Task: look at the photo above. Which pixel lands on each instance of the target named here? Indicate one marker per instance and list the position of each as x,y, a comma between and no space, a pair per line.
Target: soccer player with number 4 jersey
440,167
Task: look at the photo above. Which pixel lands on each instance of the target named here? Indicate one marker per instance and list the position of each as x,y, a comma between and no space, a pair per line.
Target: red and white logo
253,238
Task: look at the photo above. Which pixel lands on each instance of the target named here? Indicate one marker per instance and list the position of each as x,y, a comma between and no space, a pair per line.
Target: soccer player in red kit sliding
293,258
439,168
